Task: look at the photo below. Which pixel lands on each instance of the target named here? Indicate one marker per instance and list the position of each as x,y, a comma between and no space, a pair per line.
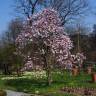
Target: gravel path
13,93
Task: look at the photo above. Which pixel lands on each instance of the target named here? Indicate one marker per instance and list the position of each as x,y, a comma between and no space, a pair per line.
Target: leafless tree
14,28
28,7
69,10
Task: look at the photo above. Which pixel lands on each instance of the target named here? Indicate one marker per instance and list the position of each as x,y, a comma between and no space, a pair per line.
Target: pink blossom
46,28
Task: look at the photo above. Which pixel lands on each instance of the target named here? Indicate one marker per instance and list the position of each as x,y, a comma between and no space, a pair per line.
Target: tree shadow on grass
27,85
31,85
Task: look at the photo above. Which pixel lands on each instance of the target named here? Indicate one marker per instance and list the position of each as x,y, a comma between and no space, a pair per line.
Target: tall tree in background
7,56
92,38
28,7
69,10
94,30
15,27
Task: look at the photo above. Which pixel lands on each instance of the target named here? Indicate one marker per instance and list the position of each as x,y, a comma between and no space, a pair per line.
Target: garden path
13,93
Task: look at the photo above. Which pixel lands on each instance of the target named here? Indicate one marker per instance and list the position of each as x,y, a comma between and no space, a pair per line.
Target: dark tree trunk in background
18,71
6,69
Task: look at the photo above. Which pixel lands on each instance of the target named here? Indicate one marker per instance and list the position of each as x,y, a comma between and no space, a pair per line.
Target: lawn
35,82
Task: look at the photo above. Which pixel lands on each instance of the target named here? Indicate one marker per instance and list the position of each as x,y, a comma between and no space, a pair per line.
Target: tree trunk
18,72
5,72
49,61
48,69
49,78
6,69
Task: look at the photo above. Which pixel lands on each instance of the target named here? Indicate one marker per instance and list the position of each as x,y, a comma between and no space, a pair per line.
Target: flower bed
80,91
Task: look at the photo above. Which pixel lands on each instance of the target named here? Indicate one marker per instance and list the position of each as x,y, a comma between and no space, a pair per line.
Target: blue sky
6,11
90,19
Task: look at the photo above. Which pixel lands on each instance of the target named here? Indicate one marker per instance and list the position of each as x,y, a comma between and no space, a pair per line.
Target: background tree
92,38
69,10
29,7
94,30
80,39
8,63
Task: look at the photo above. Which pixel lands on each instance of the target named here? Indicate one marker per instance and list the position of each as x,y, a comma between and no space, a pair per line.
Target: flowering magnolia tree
78,59
44,39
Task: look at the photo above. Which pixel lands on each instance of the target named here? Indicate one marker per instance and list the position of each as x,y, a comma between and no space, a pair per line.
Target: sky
90,19
7,14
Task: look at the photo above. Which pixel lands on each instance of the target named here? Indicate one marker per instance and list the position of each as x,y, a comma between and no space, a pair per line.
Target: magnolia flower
46,32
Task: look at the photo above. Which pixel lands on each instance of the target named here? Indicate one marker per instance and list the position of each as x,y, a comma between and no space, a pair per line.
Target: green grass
2,84
39,85
59,94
